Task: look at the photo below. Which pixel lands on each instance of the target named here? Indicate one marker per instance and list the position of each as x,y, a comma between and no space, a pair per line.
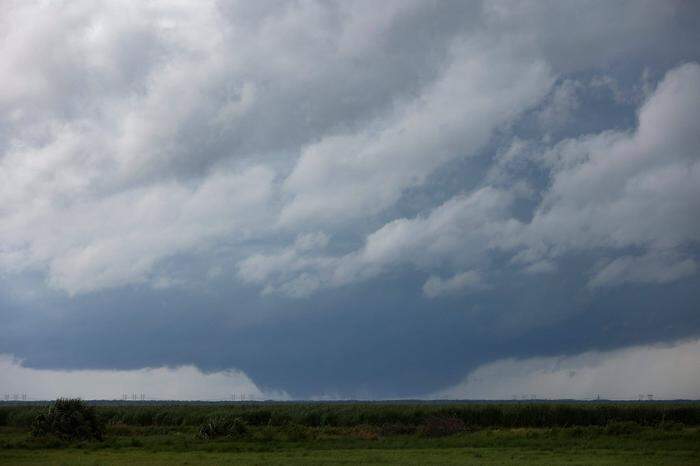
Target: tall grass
506,415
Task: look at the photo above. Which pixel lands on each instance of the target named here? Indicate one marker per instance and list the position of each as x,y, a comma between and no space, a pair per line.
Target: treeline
507,415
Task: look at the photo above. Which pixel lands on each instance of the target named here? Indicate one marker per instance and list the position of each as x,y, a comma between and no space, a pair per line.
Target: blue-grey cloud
346,198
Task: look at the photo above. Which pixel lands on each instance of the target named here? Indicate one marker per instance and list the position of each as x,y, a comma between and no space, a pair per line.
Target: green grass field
311,434
482,456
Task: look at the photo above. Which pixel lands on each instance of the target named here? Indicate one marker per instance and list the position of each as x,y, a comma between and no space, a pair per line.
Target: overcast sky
298,199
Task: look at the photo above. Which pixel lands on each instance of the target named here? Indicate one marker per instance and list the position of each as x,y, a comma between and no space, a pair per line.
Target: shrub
672,426
578,431
364,432
297,433
442,426
267,434
225,426
397,428
474,415
69,419
622,428
135,442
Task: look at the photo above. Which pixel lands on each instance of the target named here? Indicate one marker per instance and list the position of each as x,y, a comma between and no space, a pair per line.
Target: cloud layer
302,184
110,154
665,372
610,191
180,383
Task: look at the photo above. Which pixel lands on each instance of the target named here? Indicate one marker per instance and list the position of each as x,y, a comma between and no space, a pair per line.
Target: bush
297,433
365,432
232,427
474,415
622,428
579,432
442,426
672,426
69,419
397,428
267,434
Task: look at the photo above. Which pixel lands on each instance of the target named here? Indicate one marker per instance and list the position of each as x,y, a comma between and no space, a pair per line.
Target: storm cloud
352,198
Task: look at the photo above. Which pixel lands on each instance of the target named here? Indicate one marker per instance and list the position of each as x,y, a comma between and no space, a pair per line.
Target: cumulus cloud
655,267
479,219
178,383
103,102
469,280
626,189
560,105
667,372
616,190
461,232
612,190
99,243
294,271
342,177
132,133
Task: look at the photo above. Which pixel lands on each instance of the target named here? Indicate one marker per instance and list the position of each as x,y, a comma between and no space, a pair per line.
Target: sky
350,200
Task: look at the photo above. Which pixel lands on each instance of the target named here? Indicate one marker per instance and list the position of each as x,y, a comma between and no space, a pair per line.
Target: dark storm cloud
345,346
349,199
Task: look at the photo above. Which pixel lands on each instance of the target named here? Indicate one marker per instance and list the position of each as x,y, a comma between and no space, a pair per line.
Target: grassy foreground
650,446
312,434
482,456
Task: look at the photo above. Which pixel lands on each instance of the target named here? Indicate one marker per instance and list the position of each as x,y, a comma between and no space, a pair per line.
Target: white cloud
294,271
469,280
508,166
461,232
179,383
117,240
612,190
654,267
346,176
542,266
626,189
608,191
106,103
133,132
560,105
667,372
585,35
